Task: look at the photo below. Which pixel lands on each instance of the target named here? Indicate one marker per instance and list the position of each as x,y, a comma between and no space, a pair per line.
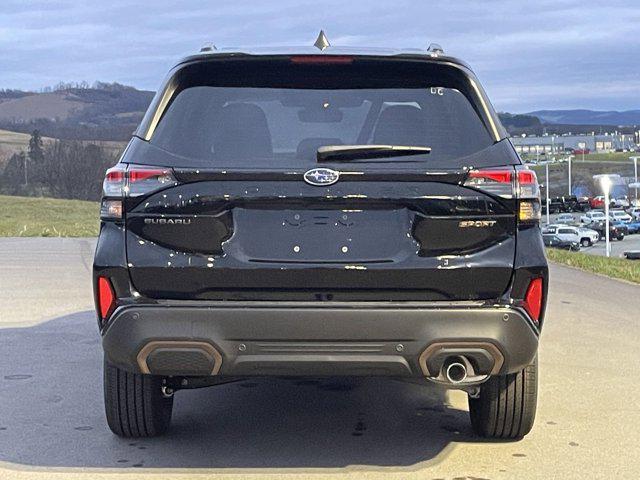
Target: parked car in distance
556,205
569,203
616,230
554,241
597,202
634,212
620,202
581,151
620,227
634,227
583,236
588,236
582,204
592,216
632,254
619,216
572,203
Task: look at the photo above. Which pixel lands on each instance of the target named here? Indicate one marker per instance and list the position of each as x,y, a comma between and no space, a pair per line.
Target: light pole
26,176
546,181
635,172
570,158
606,186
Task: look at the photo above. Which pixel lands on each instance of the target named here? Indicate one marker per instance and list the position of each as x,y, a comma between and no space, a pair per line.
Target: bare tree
74,170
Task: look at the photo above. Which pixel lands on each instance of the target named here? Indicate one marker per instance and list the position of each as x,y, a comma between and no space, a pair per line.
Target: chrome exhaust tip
456,372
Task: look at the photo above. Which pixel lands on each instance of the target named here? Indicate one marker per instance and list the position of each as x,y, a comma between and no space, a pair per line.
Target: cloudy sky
529,55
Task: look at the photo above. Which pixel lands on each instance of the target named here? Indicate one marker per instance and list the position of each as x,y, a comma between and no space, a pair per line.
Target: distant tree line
84,85
510,120
8,93
62,169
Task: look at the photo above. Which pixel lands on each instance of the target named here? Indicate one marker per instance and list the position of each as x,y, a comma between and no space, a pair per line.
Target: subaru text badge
321,176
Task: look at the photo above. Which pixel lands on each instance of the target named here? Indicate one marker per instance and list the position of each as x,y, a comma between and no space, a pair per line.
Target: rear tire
506,406
134,403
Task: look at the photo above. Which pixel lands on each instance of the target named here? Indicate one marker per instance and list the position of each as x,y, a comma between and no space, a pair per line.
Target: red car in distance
597,202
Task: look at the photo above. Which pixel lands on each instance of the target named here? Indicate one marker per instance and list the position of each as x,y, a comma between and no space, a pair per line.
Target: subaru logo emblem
321,176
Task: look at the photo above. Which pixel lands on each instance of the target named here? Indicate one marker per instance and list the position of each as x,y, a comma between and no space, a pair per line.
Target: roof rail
435,49
208,47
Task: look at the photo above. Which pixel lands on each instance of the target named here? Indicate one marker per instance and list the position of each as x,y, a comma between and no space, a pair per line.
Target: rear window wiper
347,153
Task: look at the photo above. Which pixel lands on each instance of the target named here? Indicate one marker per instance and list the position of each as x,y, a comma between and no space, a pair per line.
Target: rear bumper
254,339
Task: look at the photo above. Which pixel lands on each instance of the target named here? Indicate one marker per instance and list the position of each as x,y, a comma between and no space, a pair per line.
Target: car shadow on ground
51,414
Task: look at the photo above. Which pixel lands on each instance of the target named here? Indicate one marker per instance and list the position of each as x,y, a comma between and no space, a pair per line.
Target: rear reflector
106,298
533,299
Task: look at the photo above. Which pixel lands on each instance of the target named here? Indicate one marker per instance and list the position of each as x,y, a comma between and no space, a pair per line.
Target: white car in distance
584,236
634,212
619,216
621,202
593,216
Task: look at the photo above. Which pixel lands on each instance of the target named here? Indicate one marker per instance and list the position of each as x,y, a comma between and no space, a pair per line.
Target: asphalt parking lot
51,411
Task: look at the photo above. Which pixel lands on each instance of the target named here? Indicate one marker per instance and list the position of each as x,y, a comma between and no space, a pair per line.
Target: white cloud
529,55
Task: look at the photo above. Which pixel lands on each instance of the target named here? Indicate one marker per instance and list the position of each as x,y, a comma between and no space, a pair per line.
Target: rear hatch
243,208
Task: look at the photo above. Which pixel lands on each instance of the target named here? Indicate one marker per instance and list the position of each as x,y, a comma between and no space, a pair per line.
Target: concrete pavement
51,411
43,278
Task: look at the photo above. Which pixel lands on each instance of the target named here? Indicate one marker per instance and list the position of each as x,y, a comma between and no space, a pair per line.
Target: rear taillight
518,183
114,181
533,299
131,181
106,298
497,182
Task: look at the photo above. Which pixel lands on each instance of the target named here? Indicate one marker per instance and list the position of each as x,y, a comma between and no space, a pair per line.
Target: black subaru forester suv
320,213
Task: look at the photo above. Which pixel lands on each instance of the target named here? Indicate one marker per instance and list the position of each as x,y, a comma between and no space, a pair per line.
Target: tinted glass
277,127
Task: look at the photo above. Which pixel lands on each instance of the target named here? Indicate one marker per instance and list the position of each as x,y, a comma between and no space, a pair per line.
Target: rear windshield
262,126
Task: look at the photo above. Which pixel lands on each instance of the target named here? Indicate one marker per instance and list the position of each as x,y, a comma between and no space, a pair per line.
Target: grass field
47,217
621,268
